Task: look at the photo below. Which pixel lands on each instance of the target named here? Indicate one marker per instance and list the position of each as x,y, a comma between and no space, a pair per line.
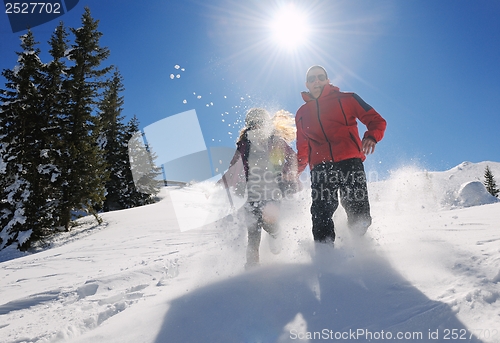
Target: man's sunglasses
312,78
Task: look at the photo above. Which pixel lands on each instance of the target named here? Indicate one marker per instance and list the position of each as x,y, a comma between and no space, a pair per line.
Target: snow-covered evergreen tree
114,144
63,144
145,172
112,130
23,137
84,168
55,107
142,174
121,192
489,182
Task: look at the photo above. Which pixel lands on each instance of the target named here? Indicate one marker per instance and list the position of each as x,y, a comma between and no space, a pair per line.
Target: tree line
64,145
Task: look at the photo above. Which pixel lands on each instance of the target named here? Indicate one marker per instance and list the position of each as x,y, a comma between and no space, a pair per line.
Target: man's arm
374,123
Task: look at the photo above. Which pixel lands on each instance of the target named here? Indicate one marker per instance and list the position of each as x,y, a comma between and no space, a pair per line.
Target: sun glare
289,27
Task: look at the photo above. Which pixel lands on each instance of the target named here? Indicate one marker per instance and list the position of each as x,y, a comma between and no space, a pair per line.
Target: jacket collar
329,88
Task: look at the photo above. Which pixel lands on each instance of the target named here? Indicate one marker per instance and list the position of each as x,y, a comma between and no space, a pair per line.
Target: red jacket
327,129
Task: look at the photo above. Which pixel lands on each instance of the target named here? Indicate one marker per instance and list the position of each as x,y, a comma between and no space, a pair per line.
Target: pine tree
121,191
113,131
489,182
55,108
63,143
84,168
23,138
142,182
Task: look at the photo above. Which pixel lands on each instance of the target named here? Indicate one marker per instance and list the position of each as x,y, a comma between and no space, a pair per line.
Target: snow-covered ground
428,270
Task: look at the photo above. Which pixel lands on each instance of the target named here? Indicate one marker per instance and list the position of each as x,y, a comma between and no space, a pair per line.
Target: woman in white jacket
268,173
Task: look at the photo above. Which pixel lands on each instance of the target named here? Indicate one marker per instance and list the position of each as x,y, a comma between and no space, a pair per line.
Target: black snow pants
329,180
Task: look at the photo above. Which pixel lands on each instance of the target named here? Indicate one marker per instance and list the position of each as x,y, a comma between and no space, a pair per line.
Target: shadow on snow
340,296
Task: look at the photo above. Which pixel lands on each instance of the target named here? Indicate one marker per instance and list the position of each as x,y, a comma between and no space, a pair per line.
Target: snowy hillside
428,270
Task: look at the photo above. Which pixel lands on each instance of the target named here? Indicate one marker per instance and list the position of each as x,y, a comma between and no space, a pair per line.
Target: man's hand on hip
368,145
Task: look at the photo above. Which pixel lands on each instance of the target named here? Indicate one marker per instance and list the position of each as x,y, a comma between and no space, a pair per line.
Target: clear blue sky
431,68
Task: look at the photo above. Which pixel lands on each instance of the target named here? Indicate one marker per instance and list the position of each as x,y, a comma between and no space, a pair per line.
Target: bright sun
289,27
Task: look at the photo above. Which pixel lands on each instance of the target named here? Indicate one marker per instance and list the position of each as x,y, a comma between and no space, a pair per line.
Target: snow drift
427,271
474,193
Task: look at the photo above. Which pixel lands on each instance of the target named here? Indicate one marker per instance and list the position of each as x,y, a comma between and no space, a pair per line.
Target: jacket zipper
323,130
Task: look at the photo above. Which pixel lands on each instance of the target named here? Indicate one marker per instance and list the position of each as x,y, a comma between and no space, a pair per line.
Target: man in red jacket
328,141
